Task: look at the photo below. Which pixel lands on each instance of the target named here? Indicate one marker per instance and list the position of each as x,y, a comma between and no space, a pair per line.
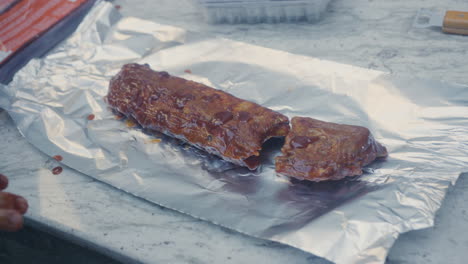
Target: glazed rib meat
210,119
315,150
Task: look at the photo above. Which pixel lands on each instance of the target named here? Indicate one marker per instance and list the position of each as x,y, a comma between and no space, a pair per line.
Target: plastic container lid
262,11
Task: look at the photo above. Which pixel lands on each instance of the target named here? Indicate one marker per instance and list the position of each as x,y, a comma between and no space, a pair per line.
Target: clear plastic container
262,11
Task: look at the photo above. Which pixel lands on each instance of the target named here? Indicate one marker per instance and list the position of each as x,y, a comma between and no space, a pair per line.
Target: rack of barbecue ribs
315,150
207,118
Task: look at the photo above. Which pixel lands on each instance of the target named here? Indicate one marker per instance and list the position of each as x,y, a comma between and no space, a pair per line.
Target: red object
58,158
188,71
28,19
30,28
5,4
57,170
91,117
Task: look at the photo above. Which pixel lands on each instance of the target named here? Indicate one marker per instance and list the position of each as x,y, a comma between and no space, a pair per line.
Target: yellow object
456,22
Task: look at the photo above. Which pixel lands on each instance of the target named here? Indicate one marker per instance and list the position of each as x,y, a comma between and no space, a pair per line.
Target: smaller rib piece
316,150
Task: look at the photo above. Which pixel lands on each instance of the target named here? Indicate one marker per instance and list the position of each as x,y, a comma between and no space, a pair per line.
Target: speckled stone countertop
375,34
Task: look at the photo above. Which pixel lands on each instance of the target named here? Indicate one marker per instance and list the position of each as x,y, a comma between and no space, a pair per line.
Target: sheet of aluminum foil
423,124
